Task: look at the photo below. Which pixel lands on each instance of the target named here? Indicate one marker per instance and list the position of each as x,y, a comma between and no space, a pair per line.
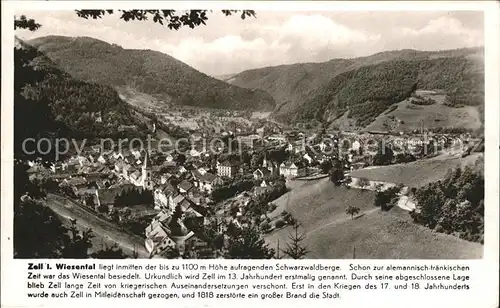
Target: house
71,167
196,136
91,158
158,239
174,200
118,155
290,169
308,158
279,138
261,173
126,171
227,169
181,169
165,177
250,141
160,195
163,218
136,178
261,131
207,182
356,146
357,165
77,184
263,184
105,197
136,153
194,153
169,158
185,186
322,146
161,235
103,158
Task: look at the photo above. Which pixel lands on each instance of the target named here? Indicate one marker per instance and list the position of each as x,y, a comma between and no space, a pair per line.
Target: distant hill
226,77
367,86
147,71
49,102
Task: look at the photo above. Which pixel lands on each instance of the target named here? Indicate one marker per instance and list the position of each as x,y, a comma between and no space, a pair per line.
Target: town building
227,169
208,181
251,141
290,169
261,173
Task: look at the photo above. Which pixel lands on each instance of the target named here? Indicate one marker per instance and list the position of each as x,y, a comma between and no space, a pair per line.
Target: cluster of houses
185,185
97,179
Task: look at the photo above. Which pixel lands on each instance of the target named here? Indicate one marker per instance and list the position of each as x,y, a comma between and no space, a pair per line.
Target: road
86,219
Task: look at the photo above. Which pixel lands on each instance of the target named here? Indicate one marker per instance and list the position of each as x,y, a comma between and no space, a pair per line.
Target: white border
488,296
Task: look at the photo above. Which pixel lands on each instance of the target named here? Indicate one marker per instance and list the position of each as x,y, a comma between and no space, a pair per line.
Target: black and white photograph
248,134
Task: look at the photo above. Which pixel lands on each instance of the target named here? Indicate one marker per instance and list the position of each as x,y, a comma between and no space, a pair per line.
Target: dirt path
86,219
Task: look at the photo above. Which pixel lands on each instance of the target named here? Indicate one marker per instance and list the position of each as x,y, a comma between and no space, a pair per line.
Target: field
418,173
408,116
260,115
139,99
187,117
331,234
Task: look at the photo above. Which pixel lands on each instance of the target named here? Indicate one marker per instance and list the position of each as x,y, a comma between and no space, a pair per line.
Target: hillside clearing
418,173
408,116
331,234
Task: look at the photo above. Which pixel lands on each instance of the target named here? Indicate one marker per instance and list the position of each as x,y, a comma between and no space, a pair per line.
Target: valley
294,147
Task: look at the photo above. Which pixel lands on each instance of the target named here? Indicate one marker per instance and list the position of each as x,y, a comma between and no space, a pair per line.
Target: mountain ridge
56,103
296,86
148,71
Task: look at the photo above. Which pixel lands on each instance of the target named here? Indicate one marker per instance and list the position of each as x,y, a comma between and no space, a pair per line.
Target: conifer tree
295,249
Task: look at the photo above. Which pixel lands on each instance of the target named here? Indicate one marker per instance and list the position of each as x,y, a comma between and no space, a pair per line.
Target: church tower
264,162
146,180
267,164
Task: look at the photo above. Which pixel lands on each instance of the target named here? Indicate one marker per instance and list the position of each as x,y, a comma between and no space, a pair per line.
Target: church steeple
145,163
146,172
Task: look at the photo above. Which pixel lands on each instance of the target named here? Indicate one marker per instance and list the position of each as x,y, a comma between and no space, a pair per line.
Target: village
185,203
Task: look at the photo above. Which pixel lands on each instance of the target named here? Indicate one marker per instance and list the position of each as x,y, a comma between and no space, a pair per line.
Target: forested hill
149,72
321,90
49,102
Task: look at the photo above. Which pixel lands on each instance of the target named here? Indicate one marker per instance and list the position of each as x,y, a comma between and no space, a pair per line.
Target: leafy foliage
363,182
384,155
134,196
352,210
24,23
337,172
231,189
246,243
109,252
387,199
454,205
56,240
172,19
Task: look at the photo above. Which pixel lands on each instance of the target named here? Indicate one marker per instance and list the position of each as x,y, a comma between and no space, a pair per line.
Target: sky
228,45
